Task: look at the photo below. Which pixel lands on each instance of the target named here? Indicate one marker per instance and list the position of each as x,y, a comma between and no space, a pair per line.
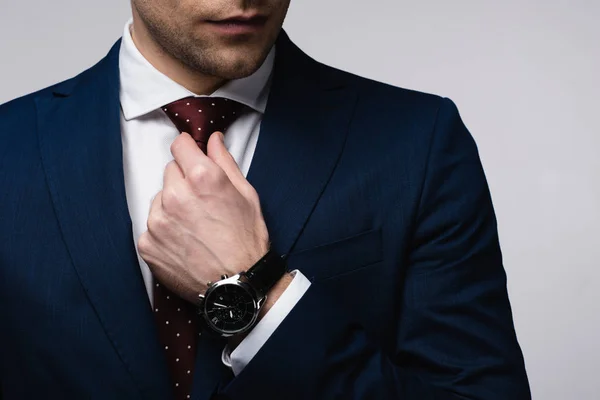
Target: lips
239,26
242,20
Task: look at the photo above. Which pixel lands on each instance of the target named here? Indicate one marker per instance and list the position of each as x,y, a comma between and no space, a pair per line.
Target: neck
192,80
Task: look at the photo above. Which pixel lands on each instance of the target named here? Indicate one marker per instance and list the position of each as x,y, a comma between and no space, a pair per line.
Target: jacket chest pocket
338,257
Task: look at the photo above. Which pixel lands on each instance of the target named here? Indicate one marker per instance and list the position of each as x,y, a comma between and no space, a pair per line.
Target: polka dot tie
178,331
202,116
178,321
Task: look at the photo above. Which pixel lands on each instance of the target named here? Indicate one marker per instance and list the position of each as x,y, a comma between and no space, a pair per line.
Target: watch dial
230,308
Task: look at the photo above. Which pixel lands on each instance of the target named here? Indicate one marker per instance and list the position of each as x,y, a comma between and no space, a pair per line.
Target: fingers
172,175
155,209
219,154
146,241
198,168
187,154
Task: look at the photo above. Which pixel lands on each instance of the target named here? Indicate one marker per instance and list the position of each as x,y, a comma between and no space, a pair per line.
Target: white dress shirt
147,134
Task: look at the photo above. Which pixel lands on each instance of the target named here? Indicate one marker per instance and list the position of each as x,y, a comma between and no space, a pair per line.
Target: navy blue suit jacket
376,193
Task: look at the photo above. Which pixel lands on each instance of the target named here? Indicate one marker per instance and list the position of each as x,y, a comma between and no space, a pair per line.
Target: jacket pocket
338,257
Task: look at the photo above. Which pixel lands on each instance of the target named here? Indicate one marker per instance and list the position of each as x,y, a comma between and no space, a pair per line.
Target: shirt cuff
253,342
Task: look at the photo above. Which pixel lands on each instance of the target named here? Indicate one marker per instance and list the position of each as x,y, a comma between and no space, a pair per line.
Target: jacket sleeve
455,337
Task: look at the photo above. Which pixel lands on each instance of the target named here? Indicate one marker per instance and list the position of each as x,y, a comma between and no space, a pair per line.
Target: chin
240,65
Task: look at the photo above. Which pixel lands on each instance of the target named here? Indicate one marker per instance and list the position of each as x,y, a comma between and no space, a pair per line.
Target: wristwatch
231,305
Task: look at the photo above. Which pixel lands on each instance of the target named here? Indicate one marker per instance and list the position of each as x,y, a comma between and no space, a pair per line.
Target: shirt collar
144,89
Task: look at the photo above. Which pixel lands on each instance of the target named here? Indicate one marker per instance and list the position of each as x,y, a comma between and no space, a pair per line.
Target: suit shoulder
18,106
399,118
395,109
380,91
17,115
20,113
25,103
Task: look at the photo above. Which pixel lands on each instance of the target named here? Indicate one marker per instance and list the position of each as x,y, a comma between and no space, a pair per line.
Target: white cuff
253,342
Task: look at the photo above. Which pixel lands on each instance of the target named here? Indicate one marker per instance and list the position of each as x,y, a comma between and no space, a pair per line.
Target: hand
206,221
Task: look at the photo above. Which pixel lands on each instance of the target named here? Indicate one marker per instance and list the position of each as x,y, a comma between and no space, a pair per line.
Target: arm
455,332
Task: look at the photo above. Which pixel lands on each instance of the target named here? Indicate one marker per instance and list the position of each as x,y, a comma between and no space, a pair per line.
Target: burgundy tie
201,116
178,325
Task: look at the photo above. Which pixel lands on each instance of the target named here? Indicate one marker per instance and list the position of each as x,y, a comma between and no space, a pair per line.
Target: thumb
219,154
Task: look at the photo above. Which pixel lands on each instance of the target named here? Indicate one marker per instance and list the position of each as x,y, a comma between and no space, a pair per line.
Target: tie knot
202,116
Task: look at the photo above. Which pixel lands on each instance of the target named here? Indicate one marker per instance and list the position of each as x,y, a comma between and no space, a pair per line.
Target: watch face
230,308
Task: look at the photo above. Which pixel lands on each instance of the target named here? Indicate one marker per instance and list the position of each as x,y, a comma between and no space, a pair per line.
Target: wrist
272,296
276,292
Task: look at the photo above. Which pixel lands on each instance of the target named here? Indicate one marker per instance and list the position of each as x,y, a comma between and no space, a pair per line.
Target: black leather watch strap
266,272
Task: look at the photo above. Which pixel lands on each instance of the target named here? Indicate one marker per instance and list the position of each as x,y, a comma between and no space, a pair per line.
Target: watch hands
220,305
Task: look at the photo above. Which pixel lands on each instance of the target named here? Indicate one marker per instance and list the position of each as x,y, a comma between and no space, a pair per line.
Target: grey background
525,75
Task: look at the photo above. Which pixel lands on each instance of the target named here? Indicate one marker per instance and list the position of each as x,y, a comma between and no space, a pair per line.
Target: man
359,213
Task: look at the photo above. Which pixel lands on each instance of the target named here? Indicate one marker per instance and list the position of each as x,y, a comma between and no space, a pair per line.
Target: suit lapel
301,139
80,143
